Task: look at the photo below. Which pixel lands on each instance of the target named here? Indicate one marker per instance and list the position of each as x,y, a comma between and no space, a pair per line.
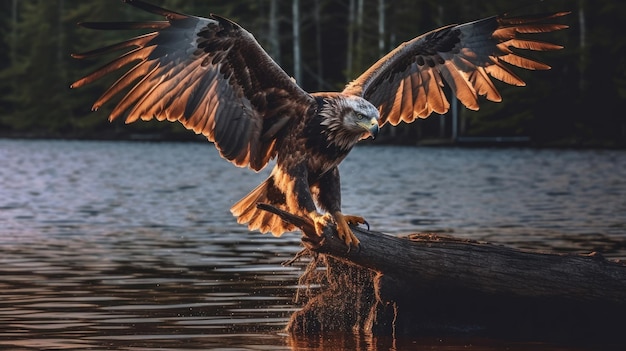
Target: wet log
434,285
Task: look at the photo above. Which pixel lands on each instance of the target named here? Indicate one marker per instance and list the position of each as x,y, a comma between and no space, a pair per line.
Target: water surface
130,246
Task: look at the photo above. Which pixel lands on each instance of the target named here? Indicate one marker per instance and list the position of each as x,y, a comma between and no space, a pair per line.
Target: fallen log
434,285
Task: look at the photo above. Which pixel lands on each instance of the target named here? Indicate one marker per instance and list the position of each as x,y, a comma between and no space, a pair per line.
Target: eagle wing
407,83
207,73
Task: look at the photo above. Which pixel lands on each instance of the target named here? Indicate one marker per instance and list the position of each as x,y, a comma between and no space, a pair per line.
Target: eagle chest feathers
327,137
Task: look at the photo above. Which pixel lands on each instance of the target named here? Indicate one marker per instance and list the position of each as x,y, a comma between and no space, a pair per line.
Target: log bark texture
428,285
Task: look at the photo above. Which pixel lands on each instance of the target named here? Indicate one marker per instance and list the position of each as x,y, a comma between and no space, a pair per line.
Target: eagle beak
373,128
370,126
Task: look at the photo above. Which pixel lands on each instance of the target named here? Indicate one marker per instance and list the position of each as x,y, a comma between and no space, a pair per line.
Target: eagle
211,75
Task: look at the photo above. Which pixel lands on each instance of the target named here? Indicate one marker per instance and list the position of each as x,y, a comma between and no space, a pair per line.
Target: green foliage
580,101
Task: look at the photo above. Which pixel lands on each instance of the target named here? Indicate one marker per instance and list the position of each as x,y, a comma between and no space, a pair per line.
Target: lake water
130,246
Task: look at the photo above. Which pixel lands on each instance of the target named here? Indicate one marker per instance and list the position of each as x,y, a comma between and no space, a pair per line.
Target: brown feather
460,85
436,97
137,54
407,99
420,105
502,73
483,85
523,62
531,45
140,70
134,94
138,42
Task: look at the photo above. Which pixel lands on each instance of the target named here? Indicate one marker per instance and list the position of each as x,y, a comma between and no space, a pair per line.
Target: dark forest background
580,102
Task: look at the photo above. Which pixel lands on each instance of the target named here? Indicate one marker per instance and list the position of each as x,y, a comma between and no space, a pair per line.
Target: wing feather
523,62
140,53
396,109
150,104
503,73
415,85
407,98
139,41
531,45
483,85
438,103
133,95
204,101
465,57
459,84
135,73
209,74
212,107
419,91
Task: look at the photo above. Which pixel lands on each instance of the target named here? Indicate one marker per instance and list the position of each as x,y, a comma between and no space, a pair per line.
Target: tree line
323,44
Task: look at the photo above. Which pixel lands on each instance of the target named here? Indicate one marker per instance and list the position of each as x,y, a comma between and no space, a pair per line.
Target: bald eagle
212,76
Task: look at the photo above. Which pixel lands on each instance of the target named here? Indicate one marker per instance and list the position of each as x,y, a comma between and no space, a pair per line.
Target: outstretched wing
407,83
207,73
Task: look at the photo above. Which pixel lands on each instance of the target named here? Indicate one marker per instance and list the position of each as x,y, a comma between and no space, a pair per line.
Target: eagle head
349,118
361,117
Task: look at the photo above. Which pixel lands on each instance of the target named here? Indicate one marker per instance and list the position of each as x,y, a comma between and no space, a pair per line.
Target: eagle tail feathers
246,209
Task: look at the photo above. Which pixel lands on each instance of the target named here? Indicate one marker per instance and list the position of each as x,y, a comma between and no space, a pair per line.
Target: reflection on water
133,289
130,246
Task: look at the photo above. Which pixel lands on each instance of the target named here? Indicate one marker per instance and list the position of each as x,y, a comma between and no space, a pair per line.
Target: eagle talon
343,228
356,220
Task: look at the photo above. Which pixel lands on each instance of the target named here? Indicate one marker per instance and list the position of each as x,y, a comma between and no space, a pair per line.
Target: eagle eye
359,116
